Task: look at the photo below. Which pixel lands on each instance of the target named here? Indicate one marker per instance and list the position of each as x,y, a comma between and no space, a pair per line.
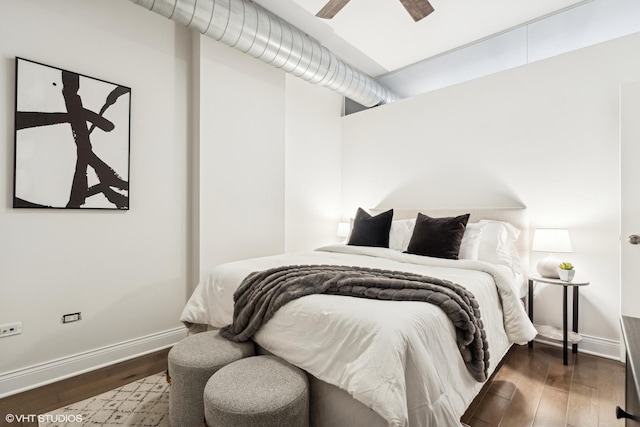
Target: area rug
144,403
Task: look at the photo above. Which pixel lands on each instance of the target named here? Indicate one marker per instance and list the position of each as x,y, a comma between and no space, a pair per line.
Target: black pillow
438,237
371,230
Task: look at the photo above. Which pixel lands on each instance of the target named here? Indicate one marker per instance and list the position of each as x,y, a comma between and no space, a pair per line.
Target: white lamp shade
551,240
343,229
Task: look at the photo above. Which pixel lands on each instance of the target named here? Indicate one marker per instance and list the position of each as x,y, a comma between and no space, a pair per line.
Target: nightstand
554,333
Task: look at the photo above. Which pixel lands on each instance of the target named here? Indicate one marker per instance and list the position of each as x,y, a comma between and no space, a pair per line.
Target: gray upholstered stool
192,361
260,391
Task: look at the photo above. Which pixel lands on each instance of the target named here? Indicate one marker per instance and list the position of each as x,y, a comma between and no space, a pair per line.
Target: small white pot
566,275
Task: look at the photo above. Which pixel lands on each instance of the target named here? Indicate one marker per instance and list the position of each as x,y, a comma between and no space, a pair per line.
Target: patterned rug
143,403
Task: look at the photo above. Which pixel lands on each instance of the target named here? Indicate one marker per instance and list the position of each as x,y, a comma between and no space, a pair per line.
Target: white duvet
397,357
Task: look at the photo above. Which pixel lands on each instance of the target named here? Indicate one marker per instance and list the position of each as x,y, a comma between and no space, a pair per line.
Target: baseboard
31,377
593,345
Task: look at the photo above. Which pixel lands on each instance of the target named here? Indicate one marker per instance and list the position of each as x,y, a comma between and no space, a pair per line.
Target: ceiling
379,36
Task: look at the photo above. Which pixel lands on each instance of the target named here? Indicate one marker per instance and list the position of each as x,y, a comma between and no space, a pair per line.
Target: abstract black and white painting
71,140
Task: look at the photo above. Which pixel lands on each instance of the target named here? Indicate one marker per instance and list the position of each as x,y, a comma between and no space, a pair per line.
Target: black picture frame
72,140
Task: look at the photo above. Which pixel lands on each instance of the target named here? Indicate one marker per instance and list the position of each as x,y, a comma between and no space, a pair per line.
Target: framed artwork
71,140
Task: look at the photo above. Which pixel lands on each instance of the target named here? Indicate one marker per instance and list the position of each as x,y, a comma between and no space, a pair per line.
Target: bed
388,363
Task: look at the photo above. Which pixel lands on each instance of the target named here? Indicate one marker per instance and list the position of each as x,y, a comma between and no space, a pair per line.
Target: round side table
553,333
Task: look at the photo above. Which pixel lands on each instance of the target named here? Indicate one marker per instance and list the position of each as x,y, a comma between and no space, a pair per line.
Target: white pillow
470,245
498,244
400,233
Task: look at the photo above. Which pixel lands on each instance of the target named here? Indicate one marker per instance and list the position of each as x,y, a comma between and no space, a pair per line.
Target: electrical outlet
10,329
73,317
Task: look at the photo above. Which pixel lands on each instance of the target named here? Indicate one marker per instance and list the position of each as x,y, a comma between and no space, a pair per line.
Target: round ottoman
192,361
260,391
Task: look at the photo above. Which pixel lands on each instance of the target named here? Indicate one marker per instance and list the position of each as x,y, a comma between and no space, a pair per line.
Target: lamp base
548,267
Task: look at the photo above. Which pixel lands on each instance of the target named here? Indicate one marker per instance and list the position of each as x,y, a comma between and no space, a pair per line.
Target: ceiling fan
418,9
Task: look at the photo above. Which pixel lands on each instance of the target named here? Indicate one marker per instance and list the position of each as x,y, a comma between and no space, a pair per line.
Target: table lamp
551,240
343,229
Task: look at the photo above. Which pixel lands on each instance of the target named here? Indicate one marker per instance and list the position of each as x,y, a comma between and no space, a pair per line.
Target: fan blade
330,9
418,9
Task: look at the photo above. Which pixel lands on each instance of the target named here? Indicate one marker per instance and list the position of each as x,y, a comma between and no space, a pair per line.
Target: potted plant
566,271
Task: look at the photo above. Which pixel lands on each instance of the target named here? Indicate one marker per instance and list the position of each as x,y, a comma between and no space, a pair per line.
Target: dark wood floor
47,398
534,388
531,388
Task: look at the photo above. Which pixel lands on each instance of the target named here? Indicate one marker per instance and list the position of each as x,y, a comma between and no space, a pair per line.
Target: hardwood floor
534,388
531,388
75,389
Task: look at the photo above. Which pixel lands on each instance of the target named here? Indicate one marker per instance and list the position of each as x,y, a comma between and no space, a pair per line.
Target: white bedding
398,358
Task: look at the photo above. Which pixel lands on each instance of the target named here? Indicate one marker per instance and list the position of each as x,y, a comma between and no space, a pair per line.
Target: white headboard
516,216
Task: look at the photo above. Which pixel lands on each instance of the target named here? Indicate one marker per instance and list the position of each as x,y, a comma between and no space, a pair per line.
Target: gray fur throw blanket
262,293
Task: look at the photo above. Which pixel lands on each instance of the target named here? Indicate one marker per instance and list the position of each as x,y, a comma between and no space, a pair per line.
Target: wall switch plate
10,329
73,317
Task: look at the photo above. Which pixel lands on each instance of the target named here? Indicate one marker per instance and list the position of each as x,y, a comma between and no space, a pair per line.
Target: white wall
126,272
242,146
269,159
313,165
545,135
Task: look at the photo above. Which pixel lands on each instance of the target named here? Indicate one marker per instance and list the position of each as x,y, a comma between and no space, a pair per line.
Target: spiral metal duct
255,31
